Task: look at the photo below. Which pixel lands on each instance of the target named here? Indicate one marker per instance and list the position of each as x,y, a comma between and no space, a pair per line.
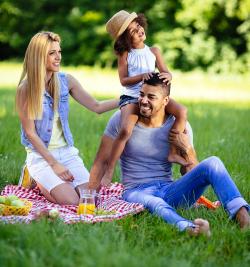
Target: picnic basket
7,210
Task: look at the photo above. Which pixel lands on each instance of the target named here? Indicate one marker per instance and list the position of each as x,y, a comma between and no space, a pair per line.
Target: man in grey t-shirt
136,168
146,174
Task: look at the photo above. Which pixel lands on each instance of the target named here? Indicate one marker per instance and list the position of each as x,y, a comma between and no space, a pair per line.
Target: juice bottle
87,202
86,208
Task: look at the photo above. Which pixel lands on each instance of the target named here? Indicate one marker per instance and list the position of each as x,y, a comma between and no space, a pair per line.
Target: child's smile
137,33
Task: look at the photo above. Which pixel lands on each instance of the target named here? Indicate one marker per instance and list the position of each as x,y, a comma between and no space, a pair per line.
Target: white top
139,61
57,138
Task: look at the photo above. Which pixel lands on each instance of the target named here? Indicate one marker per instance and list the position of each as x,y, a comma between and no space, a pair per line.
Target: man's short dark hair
155,81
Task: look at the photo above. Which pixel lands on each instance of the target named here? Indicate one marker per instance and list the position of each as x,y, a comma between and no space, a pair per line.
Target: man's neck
154,121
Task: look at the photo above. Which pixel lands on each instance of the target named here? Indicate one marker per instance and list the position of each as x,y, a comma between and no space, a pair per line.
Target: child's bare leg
129,117
175,157
180,113
201,228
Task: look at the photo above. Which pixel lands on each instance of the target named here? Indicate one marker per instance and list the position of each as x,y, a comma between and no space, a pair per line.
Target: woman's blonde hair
34,71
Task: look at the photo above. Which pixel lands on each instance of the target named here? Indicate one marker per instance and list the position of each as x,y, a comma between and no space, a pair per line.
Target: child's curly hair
123,43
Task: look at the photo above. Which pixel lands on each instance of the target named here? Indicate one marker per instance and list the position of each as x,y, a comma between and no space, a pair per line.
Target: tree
206,34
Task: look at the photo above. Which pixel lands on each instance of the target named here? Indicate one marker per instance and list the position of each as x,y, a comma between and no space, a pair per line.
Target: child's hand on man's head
146,76
166,76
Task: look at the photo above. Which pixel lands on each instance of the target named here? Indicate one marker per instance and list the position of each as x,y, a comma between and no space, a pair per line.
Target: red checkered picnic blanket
109,199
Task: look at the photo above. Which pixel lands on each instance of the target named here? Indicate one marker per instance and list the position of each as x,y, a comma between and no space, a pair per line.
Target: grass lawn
221,127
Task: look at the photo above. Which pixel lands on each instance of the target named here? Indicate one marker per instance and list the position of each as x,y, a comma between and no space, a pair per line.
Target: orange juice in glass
87,202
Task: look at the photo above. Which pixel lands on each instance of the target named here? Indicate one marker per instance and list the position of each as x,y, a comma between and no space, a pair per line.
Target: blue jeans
161,198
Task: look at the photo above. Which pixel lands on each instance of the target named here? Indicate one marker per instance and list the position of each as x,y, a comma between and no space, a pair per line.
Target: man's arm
181,140
189,156
100,163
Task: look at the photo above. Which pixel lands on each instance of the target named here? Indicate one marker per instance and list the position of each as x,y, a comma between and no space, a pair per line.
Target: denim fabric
44,126
126,99
161,198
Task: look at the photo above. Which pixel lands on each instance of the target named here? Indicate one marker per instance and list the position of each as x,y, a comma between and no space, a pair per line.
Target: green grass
220,128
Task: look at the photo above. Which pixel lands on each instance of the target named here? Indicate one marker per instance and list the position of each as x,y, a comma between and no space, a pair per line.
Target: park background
206,45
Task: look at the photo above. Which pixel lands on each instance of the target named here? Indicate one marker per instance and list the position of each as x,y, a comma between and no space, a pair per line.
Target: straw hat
117,25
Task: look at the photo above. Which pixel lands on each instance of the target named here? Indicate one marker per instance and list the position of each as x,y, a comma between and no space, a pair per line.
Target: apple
10,198
39,213
54,213
2,199
17,203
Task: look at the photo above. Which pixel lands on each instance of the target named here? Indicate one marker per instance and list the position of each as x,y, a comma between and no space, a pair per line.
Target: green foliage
208,34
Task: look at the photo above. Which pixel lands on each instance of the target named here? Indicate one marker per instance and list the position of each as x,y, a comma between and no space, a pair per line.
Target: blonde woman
43,104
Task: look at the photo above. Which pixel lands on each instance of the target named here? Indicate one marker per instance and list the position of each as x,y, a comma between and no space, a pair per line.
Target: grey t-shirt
144,158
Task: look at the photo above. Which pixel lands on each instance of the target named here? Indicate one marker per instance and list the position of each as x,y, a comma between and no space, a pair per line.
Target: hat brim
125,24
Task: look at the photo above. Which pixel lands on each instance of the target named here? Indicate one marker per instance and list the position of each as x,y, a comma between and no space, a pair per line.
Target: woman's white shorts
42,173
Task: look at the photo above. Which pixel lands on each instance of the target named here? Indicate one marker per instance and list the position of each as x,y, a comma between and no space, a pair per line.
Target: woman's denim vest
44,126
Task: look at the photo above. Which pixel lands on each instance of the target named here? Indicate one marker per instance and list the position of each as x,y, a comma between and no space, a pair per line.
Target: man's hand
106,181
62,172
107,178
180,140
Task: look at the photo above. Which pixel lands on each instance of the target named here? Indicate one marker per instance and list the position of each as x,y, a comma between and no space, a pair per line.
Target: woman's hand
62,172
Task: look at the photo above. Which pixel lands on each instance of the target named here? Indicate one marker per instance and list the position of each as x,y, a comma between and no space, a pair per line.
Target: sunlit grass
195,86
220,128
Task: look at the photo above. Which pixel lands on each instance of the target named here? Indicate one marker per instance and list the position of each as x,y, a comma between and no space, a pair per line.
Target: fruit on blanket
45,213
39,213
2,199
17,203
13,205
10,198
104,212
54,213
